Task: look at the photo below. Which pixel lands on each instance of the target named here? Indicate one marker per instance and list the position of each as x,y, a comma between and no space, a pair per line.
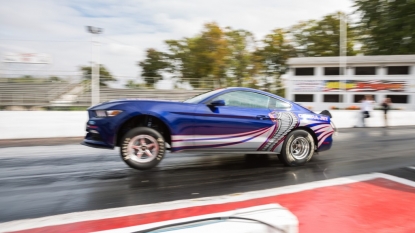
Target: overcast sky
130,26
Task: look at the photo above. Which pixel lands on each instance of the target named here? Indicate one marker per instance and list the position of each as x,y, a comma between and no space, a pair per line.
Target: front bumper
100,133
96,144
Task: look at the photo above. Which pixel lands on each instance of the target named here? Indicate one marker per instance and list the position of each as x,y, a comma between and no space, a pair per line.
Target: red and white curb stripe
108,219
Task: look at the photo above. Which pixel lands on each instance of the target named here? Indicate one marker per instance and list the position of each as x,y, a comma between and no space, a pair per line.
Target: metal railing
44,93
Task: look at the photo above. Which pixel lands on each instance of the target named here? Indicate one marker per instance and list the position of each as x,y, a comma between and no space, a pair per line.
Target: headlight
107,113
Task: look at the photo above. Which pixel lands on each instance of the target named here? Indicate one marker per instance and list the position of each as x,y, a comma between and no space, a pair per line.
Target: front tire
298,148
142,148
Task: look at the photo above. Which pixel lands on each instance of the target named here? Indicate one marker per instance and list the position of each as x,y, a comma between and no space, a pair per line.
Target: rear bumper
327,144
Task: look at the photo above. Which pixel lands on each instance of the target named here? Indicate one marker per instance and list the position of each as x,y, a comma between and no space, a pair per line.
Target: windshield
196,99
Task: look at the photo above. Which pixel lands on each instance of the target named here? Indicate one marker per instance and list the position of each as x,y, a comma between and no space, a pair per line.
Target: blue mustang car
241,120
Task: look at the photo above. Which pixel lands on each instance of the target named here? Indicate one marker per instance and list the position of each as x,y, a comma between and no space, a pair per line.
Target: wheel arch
144,120
310,131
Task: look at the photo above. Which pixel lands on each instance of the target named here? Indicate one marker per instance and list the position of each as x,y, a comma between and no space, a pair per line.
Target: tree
241,44
185,63
315,38
271,58
54,79
104,74
153,66
132,84
386,27
200,60
212,47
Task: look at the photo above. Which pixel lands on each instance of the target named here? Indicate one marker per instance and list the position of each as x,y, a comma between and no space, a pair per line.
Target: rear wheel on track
142,148
298,148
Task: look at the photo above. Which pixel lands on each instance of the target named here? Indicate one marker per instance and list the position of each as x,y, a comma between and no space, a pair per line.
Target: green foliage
152,67
202,57
54,79
31,79
211,59
271,58
104,74
386,27
280,92
218,57
240,59
26,79
132,84
317,38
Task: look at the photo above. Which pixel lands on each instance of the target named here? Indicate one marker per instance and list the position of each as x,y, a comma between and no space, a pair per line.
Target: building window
359,98
331,71
365,70
309,71
398,99
332,98
393,70
304,98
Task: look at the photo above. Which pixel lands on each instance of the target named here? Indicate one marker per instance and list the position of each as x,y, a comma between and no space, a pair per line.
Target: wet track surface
37,181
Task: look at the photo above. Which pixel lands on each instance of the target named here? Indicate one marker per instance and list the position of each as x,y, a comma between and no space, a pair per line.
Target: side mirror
217,103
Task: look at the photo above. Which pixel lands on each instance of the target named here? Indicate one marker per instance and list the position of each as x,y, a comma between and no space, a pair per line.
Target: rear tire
298,148
142,148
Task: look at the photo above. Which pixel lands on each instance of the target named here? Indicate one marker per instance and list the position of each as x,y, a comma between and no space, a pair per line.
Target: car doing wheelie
228,120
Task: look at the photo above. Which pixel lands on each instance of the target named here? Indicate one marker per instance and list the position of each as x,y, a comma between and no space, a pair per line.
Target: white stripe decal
223,143
325,129
319,126
218,141
321,142
324,134
187,137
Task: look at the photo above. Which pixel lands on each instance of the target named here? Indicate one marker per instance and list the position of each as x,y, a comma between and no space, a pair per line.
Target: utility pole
95,64
342,56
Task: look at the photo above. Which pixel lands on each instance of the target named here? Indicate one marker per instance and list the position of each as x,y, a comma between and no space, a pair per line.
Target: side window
278,104
244,99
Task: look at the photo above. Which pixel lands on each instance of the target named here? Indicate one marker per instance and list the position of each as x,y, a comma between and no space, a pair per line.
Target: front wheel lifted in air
142,148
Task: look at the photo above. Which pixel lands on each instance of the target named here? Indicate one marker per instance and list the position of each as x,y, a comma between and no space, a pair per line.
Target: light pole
342,58
95,65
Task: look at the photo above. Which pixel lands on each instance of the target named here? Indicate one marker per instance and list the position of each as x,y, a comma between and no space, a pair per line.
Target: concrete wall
42,124
351,118
47,124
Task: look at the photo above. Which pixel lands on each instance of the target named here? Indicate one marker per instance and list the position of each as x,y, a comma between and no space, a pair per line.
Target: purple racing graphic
284,123
241,120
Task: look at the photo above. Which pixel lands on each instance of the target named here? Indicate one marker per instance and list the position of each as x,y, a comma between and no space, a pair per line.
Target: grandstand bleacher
47,94
35,94
107,94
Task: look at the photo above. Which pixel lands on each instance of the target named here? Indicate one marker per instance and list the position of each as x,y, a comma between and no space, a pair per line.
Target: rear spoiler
326,113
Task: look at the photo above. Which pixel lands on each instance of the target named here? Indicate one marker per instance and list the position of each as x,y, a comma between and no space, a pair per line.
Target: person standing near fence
366,108
386,106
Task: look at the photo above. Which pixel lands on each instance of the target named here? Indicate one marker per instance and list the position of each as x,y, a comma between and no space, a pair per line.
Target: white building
317,83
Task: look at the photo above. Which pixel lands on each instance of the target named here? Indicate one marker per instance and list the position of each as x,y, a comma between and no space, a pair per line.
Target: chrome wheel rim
143,148
299,148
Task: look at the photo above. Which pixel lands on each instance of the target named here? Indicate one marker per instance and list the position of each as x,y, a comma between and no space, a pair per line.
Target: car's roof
251,89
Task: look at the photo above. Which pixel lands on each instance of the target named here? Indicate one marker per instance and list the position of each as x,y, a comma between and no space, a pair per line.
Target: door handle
262,117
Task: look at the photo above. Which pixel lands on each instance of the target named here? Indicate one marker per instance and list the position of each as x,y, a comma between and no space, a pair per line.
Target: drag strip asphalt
38,181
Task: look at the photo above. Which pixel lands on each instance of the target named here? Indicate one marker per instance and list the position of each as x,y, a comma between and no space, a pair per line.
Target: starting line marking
85,216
